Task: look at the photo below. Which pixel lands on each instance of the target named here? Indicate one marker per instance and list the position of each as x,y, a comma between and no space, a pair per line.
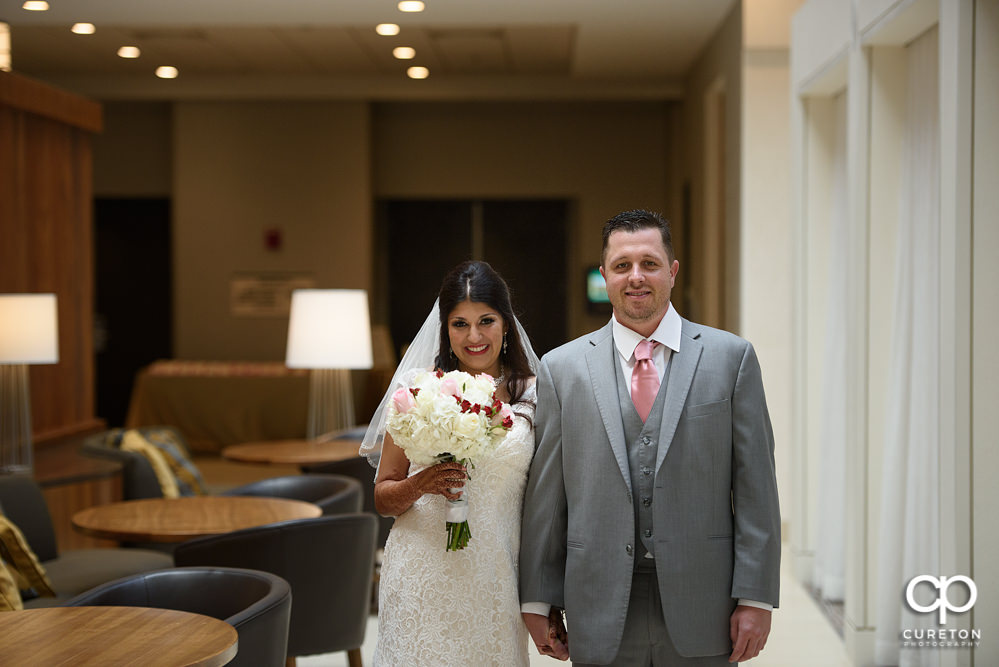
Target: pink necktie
644,379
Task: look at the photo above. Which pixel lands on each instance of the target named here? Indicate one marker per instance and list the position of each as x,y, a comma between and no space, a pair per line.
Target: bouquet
447,417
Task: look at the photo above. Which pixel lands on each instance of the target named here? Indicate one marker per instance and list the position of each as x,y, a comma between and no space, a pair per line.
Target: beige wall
313,170
132,156
242,167
713,268
765,285
985,322
604,157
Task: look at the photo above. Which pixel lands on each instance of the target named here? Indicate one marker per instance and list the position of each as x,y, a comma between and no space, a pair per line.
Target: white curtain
830,551
910,525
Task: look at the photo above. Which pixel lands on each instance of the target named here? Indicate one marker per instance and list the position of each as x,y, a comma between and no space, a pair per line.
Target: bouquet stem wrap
456,515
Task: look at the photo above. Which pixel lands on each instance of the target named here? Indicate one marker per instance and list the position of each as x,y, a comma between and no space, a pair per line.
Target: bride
439,607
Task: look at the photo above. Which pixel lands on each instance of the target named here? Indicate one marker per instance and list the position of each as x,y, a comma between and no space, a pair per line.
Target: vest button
646,501
628,549
646,470
646,441
648,533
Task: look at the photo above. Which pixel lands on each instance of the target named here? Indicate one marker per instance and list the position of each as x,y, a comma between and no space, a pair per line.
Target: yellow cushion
132,441
188,476
10,597
22,558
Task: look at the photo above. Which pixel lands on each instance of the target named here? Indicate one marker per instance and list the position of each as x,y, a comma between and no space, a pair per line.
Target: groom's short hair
633,221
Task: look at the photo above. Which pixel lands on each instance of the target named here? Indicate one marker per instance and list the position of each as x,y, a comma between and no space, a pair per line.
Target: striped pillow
14,551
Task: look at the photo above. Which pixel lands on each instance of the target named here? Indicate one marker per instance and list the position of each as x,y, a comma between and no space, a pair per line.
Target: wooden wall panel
46,240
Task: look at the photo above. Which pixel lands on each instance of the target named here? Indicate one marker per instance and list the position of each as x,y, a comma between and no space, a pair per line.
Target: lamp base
15,420
331,402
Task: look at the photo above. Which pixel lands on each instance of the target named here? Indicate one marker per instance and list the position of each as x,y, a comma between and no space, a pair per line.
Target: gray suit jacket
715,513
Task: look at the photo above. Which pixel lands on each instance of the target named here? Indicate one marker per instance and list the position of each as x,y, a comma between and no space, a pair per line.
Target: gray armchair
257,604
358,468
328,562
335,494
73,571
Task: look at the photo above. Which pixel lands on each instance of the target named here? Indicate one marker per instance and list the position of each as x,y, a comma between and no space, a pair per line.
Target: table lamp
329,332
28,335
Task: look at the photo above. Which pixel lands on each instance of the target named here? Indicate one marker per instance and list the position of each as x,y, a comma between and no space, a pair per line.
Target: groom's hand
545,636
749,628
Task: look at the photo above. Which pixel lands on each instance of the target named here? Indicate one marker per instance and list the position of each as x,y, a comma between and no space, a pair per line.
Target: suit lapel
681,374
600,360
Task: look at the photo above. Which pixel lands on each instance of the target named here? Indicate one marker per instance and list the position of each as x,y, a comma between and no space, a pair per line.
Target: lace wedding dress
461,608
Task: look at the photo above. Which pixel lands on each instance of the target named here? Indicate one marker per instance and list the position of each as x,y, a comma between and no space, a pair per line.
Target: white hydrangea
452,413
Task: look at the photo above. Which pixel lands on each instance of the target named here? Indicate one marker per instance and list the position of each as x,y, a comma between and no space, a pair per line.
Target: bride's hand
441,478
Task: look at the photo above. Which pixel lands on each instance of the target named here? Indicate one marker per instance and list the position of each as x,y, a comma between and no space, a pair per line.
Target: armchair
73,571
328,563
257,604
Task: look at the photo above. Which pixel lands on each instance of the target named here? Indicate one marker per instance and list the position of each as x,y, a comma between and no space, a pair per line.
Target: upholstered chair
328,562
71,571
335,494
257,604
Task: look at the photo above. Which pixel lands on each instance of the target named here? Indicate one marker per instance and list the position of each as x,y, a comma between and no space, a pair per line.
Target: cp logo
942,602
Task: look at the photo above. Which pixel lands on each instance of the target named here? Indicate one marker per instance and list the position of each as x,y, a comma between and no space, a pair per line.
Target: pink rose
449,387
403,400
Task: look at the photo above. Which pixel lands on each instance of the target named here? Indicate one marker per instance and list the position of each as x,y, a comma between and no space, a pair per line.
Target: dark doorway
134,314
524,240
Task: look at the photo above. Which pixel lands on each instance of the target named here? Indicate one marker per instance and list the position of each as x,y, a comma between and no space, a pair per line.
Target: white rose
467,425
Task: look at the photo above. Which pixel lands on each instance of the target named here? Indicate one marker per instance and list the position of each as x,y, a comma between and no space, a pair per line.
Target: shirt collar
667,333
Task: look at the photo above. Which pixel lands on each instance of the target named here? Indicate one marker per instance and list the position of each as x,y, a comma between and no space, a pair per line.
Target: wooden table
298,452
179,519
80,636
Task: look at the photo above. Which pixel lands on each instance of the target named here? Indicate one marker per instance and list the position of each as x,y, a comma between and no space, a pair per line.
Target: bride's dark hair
478,282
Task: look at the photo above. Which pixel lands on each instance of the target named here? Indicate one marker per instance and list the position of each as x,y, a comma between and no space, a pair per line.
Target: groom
651,510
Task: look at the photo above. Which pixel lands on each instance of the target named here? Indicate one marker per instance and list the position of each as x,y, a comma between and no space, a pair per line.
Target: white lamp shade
29,331
329,328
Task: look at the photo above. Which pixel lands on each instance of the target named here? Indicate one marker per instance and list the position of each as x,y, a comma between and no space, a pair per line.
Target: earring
504,342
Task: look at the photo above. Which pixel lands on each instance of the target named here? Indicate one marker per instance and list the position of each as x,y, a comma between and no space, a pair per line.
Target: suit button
648,533
628,549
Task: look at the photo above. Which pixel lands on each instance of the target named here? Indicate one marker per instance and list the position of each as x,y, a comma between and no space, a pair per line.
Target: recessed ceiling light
35,6
411,6
404,52
129,52
387,29
83,28
167,72
418,72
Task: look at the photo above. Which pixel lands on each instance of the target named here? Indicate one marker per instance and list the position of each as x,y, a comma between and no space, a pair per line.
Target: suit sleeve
756,574
543,530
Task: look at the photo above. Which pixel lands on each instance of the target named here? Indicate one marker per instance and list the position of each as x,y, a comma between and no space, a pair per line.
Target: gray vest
643,444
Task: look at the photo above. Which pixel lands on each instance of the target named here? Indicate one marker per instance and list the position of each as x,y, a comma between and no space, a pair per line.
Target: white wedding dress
461,608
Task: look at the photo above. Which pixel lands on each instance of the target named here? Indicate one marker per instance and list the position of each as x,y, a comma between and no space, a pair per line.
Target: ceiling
475,49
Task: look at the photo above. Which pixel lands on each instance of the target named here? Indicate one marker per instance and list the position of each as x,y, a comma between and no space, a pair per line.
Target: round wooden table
81,636
179,519
298,452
